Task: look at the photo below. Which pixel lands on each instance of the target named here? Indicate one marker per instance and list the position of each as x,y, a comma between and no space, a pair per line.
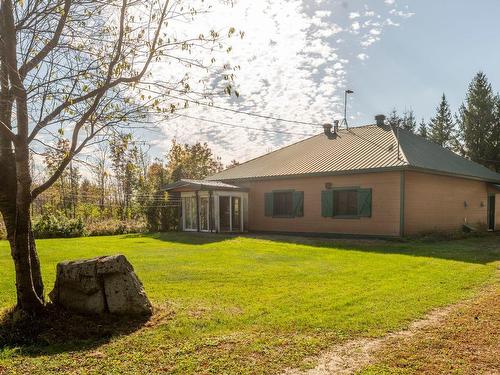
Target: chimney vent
336,126
380,119
328,130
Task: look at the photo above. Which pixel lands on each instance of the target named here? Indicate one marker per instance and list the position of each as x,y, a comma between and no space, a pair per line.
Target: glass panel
236,212
224,214
204,213
283,203
190,212
345,203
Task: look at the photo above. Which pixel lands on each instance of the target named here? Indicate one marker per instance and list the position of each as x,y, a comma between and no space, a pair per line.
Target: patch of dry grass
468,342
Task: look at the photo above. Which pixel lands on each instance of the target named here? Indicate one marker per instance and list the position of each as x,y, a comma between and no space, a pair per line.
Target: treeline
473,132
118,190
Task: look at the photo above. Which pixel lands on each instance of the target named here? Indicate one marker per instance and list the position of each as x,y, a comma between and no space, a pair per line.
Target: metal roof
421,153
361,149
200,185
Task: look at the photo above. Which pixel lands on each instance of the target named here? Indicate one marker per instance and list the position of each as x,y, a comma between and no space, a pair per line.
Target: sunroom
211,206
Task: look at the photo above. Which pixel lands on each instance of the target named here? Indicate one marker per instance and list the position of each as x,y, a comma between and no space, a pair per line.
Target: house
367,180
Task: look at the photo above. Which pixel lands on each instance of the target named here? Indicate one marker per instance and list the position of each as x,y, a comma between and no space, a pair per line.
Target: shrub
52,226
110,227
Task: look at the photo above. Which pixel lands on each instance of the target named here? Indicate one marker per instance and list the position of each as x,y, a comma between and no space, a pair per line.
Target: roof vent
380,119
328,130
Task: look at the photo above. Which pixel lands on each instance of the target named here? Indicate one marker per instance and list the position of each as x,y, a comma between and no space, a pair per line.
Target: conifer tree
393,119
422,129
441,127
409,122
479,123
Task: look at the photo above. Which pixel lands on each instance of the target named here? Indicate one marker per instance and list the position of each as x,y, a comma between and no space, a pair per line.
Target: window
284,203
348,202
345,203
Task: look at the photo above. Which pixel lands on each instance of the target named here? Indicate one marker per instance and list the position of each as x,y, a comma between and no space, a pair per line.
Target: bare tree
100,172
81,68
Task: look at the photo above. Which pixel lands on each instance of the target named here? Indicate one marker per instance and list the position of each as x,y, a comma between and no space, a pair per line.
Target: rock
100,285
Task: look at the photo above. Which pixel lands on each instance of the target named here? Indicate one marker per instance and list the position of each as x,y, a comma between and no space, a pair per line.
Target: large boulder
100,285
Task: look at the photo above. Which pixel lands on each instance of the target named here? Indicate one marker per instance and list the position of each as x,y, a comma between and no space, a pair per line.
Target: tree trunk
29,285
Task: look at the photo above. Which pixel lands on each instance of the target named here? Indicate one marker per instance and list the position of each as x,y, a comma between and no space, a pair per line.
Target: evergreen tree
479,123
409,122
393,119
422,129
441,127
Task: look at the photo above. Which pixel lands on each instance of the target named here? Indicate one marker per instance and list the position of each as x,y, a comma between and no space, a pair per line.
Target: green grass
253,304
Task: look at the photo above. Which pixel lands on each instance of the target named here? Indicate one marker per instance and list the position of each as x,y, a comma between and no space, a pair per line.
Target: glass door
204,212
225,214
236,213
190,213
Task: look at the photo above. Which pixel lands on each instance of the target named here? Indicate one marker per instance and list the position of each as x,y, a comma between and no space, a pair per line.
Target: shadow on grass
188,238
480,249
471,248
56,330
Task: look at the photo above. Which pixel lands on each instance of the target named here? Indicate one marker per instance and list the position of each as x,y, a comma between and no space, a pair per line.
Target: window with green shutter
284,203
346,202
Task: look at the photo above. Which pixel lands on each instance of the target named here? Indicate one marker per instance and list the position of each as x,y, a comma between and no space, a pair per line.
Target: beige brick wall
385,205
436,203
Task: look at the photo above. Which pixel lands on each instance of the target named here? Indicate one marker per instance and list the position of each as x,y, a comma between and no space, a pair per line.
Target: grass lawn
252,304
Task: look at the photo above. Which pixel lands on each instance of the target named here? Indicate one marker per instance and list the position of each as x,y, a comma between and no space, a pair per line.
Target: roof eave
361,171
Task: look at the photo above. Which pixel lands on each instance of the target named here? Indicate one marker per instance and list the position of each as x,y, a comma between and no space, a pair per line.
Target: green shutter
365,202
268,197
327,203
298,203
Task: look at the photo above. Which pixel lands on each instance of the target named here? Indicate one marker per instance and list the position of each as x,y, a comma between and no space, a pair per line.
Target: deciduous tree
191,161
85,66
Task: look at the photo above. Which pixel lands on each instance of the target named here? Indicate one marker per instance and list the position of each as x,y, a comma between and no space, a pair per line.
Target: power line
245,127
268,117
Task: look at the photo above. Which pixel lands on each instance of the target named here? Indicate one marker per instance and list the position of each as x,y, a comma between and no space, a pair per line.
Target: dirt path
353,355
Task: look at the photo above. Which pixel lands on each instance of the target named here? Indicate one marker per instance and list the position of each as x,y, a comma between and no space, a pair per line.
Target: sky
298,56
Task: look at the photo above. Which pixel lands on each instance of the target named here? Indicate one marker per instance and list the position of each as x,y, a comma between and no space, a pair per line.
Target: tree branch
51,44
109,84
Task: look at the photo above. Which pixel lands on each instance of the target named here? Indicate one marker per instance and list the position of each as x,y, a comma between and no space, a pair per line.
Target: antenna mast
344,120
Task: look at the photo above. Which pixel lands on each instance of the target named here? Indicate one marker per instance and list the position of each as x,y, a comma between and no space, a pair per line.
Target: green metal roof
361,149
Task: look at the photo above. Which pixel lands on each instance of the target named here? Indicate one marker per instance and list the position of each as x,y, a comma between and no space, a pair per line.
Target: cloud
401,13
294,63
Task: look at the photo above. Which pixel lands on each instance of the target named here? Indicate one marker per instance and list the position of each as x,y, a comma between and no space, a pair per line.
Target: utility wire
245,127
268,117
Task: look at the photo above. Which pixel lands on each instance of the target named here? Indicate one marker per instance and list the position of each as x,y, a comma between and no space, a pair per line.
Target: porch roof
195,185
